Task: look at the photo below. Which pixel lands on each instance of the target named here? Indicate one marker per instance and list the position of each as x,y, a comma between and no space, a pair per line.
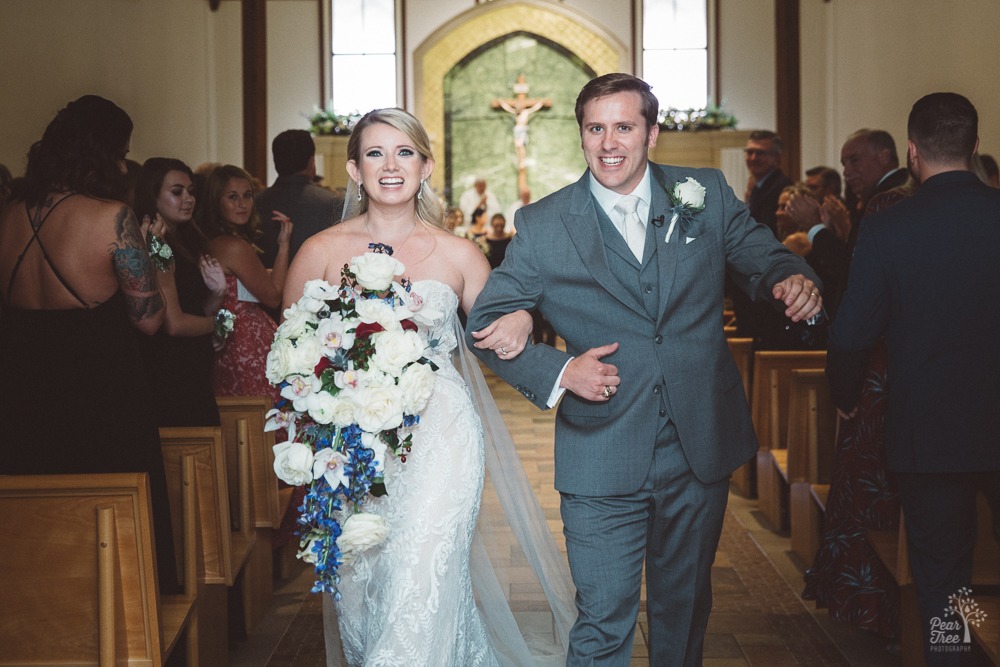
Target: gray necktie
631,226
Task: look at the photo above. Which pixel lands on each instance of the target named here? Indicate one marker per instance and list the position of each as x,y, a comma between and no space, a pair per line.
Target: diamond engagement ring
607,391
503,352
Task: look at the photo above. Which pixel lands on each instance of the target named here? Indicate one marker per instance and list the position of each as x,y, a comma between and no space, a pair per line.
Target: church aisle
757,618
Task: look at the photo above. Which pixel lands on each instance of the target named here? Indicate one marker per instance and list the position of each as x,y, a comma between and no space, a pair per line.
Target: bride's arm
507,335
310,262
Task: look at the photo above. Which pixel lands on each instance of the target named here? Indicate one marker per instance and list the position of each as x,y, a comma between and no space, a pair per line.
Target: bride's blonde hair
428,206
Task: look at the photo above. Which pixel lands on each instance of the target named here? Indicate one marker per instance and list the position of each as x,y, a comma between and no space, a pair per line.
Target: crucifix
521,106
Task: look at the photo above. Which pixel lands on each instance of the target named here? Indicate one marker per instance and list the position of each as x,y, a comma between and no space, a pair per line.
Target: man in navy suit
924,275
628,265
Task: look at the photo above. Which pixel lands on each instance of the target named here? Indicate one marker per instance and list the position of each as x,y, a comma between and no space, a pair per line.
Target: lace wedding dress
433,594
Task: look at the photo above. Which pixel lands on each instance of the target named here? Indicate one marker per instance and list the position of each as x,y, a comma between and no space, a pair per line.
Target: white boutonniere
686,200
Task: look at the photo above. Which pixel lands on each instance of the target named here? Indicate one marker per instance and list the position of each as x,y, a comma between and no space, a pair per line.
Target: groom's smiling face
615,139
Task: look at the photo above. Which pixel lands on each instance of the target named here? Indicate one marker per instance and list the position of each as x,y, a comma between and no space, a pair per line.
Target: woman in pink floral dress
231,224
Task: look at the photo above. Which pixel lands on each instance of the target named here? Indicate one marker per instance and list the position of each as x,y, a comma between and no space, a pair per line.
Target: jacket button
658,339
663,413
648,289
656,389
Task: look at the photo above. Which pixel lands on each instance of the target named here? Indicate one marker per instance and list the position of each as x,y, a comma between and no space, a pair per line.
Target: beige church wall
174,67
293,69
747,62
873,60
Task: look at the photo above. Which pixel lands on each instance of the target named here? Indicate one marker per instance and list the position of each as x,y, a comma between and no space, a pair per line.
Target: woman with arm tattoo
77,289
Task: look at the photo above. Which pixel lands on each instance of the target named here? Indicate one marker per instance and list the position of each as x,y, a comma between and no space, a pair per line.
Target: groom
652,418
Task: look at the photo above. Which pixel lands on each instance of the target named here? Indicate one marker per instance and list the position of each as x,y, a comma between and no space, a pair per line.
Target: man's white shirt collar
608,199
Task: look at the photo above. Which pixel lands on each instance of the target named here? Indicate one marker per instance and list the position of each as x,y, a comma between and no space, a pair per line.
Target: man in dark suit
628,265
294,193
871,166
924,275
762,156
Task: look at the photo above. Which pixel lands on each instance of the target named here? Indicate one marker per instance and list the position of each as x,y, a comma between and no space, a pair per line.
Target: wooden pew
772,371
223,551
79,583
264,483
742,351
891,547
812,428
243,419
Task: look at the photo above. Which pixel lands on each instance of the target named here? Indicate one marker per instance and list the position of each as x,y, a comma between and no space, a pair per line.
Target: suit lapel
666,253
584,231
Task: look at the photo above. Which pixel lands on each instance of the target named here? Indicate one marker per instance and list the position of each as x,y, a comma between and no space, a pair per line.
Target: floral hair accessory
225,322
349,363
161,253
686,199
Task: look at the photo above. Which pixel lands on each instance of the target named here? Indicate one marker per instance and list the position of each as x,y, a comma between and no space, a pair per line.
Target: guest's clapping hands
836,217
590,378
213,275
285,233
805,210
507,335
800,295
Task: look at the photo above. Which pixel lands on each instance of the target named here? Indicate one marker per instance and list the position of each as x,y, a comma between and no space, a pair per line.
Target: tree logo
953,630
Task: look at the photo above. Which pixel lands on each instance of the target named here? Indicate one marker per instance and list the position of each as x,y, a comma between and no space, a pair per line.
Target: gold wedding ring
607,391
503,351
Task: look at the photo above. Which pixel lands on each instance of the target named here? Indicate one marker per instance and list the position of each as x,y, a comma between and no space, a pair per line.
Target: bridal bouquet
350,366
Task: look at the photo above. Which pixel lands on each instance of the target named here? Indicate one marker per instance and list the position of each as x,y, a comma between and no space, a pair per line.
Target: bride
430,595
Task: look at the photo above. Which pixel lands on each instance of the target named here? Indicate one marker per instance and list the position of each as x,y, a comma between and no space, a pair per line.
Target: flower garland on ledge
353,377
684,120
324,122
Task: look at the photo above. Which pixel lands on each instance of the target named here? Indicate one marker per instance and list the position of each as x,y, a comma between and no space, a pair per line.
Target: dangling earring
420,190
359,190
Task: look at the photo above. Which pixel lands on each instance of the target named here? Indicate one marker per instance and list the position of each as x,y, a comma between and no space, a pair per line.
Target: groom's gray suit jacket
567,260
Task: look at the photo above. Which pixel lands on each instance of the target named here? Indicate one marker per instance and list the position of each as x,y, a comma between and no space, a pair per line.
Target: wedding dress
439,592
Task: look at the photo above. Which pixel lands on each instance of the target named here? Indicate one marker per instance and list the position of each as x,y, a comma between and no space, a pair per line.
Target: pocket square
688,240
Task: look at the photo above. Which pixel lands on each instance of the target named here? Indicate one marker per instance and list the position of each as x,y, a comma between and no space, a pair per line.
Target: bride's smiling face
390,167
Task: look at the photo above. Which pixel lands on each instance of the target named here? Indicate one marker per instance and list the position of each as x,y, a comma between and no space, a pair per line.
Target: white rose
416,384
691,193
375,271
342,410
296,323
293,463
321,407
395,349
372,311
279,360
376,378
378,409
361,531
304,356
332,336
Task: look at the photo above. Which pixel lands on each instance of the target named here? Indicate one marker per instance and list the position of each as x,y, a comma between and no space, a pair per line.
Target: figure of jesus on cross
521,106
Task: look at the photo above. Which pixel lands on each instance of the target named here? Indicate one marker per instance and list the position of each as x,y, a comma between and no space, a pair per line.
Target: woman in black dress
78,290
179,357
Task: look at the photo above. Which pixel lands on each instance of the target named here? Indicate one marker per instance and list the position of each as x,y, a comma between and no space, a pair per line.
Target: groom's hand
801,297
590,378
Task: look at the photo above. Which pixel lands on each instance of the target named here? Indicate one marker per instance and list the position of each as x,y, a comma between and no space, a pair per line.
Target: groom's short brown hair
618,82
